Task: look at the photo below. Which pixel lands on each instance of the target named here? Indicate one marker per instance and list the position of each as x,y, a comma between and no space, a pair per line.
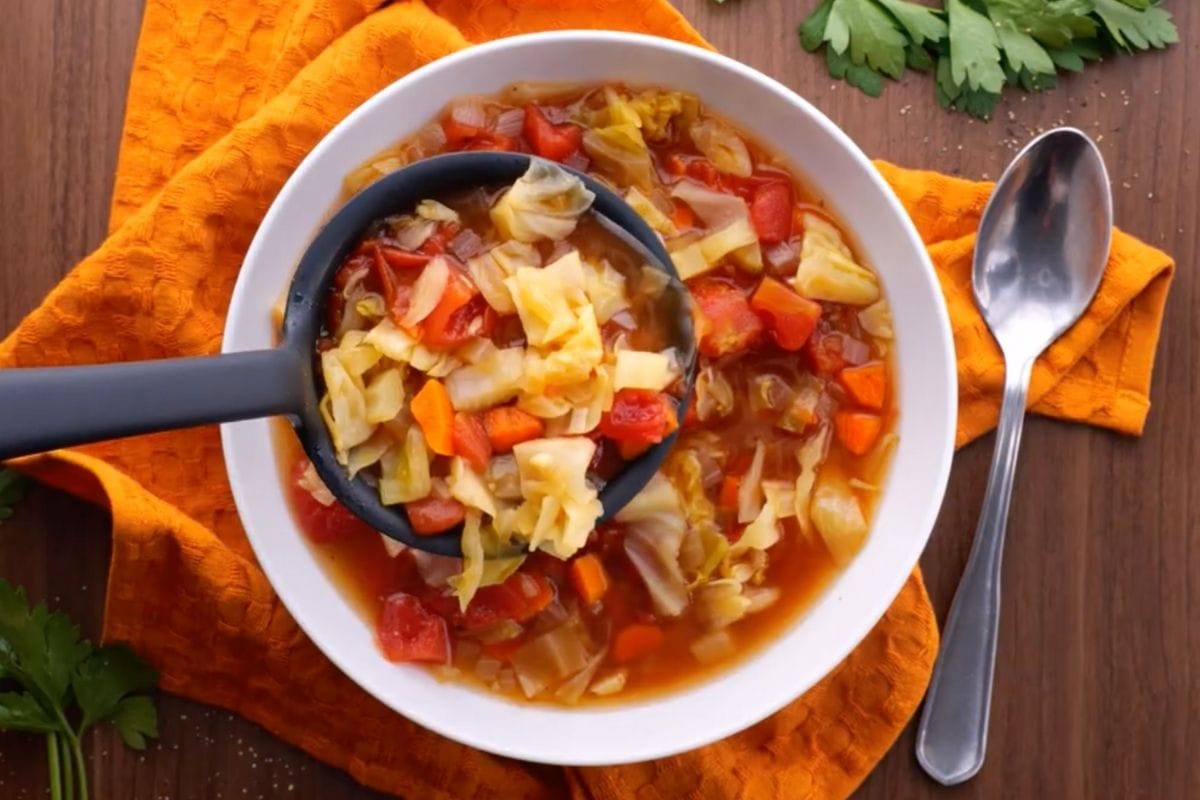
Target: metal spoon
45,408
1042,246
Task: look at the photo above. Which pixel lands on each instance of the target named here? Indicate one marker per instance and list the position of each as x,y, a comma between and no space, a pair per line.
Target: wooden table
1097,692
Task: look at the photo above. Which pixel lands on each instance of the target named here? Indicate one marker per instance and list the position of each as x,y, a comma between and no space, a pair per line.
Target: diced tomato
434,514
771,212
637,417
322,523
408,631
830,351
458,132
475,318
704,171
402,259
675,164
444,327
790,317
548,140
727,323
493,141
682,216
521,597
471,440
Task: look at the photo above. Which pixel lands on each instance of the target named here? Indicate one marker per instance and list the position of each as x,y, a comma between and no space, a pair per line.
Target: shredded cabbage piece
759,534
656,528
344,406
689,261
715,209
433,210
605,288
714,395
638,369
648,211
544,203
811,455
733,237
827,270
838,517
876,319
494,379
467,487
721,145
621,151
656,109
385,395
405,470
367,453
721,603
481,565
561,507
781,496
750,493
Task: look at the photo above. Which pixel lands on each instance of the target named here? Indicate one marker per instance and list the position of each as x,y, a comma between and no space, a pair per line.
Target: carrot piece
507,426
675,164
471,441
682,216
635,641
432,410
867,384
728,498
857,430
631,450
589,578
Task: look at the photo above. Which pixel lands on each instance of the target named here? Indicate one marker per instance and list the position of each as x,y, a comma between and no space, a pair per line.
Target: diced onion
750,495
713,647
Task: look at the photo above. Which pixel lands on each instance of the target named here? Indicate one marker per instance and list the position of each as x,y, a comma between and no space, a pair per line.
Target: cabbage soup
492,358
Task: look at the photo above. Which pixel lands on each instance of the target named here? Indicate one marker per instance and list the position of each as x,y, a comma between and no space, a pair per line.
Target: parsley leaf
1133,29
12,489
977,47
42,653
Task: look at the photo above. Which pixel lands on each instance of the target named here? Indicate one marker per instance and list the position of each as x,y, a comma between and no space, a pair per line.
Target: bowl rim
732,717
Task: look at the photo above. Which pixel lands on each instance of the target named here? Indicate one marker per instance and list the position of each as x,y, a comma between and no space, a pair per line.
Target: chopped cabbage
511,255
713,647
433,210
476,351
637,369
546,298
827,271
734,236
721,603
571,691
344,407
656,531
480,567
810,456
781,496
543,405
715,209
493,380
759,534
838,517
370,306
311,482
653,215
391,341
876,319
610,683
619,110
714,395
367,453
489,277
411,232
545,203
392,547
621,151
605,288
750,493
761,598
427,291
433,363
689,261
722,146
385,396
405,470
589,401
468,488
570,361
551,657
561,507
656,109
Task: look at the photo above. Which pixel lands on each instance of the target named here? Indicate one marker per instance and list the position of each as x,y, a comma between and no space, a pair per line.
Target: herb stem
53,766
80,766
67,768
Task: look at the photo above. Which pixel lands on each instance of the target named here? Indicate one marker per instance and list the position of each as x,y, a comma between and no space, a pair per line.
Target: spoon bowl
47,408
1043,242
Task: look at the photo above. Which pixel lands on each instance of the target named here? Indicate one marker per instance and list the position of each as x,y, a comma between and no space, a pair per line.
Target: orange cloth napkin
226,98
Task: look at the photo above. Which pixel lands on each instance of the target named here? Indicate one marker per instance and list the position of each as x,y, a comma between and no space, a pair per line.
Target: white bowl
832,626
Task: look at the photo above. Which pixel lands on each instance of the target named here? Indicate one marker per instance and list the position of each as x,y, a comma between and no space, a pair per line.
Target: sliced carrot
589,578
634,641
432,410
728,498
631,450
857,430
867,384
682,216
507,426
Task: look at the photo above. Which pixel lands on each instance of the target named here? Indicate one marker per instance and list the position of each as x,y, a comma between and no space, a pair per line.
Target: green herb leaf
1134,29
922,23
105,677
974,49
37,648
135,719
13,486
20,711
812,30
857,75
871,34
1054,23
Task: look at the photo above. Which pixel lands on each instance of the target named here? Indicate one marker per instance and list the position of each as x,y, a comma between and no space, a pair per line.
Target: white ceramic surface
833,625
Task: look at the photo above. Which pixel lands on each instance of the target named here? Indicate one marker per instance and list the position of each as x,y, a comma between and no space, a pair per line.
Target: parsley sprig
976,48
58,684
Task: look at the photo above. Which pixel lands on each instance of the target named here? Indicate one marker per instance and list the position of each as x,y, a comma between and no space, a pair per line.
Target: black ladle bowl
45,408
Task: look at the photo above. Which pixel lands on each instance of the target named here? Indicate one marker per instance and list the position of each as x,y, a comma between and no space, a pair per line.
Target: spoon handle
952,737
42,408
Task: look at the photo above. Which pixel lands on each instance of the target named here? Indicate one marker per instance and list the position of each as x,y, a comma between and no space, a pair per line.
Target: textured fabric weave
226,99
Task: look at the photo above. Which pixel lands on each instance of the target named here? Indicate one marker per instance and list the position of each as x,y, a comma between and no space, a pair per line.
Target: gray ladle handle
45,408
952,737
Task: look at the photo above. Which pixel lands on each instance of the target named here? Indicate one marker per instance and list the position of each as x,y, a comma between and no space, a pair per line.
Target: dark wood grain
1096,693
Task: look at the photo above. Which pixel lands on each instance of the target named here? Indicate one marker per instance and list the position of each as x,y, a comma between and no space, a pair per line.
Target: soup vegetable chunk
505,407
